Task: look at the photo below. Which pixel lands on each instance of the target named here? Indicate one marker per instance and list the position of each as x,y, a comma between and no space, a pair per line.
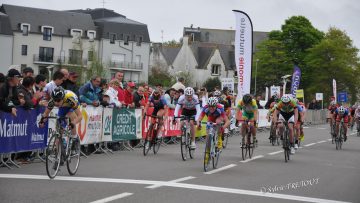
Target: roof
62,21
98,13
5,27
170,53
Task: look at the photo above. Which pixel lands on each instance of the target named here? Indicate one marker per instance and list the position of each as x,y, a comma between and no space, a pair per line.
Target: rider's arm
177,108
296,113
200,118
276,112
227,122
78,116
198,111
166,109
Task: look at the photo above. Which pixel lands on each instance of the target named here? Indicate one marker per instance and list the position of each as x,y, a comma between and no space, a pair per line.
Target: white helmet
341,110
285,99
189,91
212,101
217,93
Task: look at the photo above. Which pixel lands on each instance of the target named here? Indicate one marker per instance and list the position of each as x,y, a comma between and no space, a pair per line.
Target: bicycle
286,141
57,151
332,131
247,147
339,138
186,137
274,137
212,152
152,140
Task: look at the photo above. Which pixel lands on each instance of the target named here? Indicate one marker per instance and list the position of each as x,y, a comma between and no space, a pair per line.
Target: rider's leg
160,114
219,120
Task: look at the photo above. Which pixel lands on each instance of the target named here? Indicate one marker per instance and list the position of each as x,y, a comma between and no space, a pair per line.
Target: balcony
57,60
131,66
43,59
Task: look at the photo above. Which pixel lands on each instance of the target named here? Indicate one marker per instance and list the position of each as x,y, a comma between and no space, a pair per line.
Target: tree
335,57
160,76
172,43
211,83
96,67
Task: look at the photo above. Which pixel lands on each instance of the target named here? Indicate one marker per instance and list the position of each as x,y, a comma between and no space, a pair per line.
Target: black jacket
27,96
137,99
68,85
8,97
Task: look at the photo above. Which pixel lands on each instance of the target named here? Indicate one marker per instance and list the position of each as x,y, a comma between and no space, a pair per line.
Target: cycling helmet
247,99
189,91
58,93
285,99
217,93
212,101
341,110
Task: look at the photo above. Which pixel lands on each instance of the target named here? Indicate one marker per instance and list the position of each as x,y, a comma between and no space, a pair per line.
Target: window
46,54
207,36
47,33
139,40
24,50
127,39
215,69
91,34
90,55
138,61
112,38
76,36
75,56
25,30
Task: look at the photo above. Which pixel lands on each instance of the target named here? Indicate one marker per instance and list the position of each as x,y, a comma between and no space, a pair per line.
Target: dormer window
91,34
76,34
47,32
112,38
139,41
127,39
25,28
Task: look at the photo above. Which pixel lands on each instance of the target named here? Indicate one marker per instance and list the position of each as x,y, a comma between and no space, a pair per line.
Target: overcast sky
172,15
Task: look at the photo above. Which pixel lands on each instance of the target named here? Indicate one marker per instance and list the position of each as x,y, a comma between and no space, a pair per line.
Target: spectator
40,82
169,98
179,84
112,94
70,83
119,76
90,92
147,93
25,93
139,99
103,87
8,92
57,81
159,87
203,96
27,72
258,98
128,93
312,104
177,95
2,79
66,74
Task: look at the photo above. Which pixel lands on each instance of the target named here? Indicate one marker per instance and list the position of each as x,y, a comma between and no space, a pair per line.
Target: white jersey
189,105
357,113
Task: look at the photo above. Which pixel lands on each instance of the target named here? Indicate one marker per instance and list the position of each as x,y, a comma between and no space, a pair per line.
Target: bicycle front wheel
207,157
53,155
157,144
225,139
73,158
147,142
191,151
184,146
286,146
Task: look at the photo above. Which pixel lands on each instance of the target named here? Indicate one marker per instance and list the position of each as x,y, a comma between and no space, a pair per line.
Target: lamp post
257,60
285,80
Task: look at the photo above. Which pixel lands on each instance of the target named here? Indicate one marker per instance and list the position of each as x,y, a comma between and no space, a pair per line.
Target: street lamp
285,80
257,60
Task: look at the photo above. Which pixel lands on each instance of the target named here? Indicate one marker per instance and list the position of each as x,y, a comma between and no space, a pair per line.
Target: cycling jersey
357,113
332,108
219,112
224,102
250,108
289,108
345,116
159,104
189,108
188,104
70,101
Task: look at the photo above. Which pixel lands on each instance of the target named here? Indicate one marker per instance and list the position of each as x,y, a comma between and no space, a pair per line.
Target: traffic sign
319,96
300,93
342,97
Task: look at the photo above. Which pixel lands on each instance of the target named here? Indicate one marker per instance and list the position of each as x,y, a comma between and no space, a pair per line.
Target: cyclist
249,110
160,107
332,108
190,106
342,113
216,114
357,117
288,112
68,104
298,126
352,115
271,110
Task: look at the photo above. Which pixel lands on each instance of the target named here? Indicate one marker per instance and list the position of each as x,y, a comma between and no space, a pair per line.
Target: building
6,42
124,44
44,39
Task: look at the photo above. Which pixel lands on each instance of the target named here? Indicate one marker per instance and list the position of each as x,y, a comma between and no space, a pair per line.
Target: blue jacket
88,93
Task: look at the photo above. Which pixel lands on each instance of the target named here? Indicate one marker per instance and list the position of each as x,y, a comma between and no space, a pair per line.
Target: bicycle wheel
184,145
243,150
157,144
286,145
207,153
53,155
147,142
73,159
215,149
191,151
225,139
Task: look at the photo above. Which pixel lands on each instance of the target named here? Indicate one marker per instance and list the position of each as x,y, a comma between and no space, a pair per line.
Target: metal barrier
315,117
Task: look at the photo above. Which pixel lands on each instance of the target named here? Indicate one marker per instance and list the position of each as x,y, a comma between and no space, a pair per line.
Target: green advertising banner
123,124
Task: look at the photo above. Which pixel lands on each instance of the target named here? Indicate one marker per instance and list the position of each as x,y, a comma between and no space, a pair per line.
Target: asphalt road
316,173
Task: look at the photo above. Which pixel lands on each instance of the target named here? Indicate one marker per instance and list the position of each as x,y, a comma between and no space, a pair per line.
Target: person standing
179,84
9,94
90,92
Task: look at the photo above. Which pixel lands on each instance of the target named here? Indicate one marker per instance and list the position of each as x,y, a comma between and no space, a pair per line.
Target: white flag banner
243,52
334,89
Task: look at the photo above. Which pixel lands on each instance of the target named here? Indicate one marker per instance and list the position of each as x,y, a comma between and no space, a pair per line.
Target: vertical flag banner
334,89
243,52
295,83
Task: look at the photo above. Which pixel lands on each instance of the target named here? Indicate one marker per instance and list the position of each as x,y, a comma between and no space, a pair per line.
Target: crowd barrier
22,133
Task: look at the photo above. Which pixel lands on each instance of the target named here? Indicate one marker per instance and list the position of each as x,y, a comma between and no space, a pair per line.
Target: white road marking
112,198
277,152
322,141
175,185
308,145
253,158
172,181
306,127
301,147
321,128
329,139
353,134
220,169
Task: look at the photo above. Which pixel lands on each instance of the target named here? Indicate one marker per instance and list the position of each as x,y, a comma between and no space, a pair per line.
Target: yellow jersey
70,100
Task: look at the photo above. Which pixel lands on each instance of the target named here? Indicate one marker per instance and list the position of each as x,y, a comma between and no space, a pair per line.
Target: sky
171,16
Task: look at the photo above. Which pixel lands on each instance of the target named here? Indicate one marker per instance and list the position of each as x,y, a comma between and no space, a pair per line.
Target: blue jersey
159,104
345,114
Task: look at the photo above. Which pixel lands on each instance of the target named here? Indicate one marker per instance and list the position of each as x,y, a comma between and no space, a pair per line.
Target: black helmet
58,93
247,98
275,97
